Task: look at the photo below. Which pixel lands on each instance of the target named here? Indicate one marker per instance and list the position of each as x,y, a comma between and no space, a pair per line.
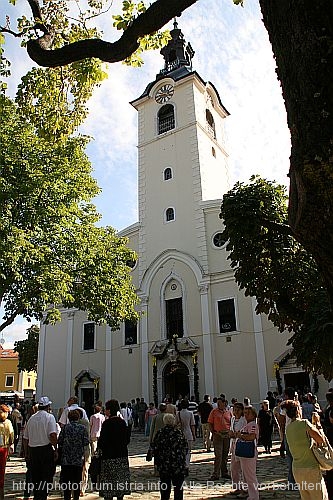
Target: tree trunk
301,34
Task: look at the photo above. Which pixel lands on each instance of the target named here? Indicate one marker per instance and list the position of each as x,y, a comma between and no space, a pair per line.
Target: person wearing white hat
40,447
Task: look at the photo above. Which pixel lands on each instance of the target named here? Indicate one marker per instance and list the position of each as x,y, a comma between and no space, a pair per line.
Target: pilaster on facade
144,347
142,213
141,126
260,351
69,354
20,382
108,364
190,108
41,360
198,215
206,338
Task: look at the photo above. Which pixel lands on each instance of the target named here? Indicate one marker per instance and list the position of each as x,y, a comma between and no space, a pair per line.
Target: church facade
197,333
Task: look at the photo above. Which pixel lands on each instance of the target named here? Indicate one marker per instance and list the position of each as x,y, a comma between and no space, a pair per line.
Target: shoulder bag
95,465
245,449
323,454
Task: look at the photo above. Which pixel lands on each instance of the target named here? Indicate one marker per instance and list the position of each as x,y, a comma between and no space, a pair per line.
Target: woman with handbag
112,444
246,451
237,423
306,469
170,450
72,441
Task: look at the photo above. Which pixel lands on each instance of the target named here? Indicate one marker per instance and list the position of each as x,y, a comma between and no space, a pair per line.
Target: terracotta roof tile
8,353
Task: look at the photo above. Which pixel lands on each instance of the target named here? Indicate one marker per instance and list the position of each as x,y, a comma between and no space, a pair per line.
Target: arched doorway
176,380
86,388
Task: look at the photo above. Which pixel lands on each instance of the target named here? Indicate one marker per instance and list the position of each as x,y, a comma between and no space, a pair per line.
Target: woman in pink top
250,432
238,421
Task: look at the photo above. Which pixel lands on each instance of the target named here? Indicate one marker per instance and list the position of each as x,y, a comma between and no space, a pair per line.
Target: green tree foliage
51,250
28,350
273,267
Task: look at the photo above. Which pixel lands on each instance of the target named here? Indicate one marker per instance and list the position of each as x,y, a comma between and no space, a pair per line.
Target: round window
219,240
132,263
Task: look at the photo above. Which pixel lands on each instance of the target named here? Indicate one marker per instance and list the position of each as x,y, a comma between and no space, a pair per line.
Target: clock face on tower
164,93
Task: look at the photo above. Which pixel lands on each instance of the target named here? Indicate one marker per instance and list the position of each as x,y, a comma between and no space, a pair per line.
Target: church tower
182,157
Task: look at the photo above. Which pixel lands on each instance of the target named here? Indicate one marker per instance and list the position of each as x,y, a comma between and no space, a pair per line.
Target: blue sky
232,50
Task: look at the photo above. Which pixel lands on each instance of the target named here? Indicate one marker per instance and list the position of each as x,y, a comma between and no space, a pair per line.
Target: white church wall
235,351
173,193
51,378
236,374
217,257
126,374
214,175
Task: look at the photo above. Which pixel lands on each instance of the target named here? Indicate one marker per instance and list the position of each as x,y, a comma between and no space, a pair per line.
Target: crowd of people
98,444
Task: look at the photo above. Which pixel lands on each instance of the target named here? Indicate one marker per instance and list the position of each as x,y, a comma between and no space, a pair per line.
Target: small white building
198,334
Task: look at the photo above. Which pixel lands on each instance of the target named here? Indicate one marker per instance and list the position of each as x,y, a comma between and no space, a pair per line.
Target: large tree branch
277,226
155,17
10,319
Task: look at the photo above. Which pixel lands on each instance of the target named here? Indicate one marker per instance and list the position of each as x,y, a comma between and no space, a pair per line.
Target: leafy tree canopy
51,250
272,266
28,350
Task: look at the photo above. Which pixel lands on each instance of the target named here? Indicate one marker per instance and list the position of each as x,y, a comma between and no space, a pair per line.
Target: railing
165,124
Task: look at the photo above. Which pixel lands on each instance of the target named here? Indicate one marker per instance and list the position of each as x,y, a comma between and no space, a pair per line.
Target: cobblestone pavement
271,471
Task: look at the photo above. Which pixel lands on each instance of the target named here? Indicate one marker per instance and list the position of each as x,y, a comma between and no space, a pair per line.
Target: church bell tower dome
177,53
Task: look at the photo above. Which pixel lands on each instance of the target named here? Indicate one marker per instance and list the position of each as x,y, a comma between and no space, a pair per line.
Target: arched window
173,309
167,174
174,317
210,123
166,118
169,214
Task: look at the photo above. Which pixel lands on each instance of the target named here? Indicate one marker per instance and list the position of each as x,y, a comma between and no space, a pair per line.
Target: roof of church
176,75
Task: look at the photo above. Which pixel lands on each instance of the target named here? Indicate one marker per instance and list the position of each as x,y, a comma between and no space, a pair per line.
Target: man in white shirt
72,404
40,445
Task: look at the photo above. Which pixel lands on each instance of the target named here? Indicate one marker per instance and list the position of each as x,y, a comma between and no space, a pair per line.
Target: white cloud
16,331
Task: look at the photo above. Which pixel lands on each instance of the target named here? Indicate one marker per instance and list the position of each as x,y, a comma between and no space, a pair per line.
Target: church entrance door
176,380
300,381
88,398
